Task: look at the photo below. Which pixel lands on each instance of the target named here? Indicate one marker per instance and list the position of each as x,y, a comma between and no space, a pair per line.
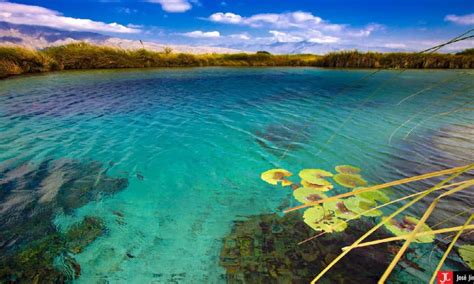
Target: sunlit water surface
193,142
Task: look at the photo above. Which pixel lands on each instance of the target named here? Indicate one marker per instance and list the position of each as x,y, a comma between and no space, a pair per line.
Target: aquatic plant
467,254
325,187
308,194
339,209
347,169
325,215
349,180
29,241
276,176
319,219
315,176
362,207
329,217
82,234
37,262
253,252
408,224
374,195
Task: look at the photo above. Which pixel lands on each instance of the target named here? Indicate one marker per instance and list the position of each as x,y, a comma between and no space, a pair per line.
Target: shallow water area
193,142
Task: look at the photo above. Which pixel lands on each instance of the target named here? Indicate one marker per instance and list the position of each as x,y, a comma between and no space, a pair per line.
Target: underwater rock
257,252
31,196
82,234
277,138
30,201
140,177
118,214
48,260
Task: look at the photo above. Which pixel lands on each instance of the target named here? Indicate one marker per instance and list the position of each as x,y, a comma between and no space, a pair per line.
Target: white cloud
365,32
126,10
201,34
311,36
173,6
395,45
240,36
299,28
296,19
285,37
460,20
227,18
36,15
323,39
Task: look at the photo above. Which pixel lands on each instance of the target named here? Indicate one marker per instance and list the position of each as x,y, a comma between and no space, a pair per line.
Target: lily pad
346,169
339,209
324,187
467,254
407,225
318,220
307,195
374,195
315,176
277,175
360,206
349,181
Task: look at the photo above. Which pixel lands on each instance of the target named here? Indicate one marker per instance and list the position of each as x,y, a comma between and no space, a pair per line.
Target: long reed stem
380,186
450,247
418,226
380,206
454,174
419,234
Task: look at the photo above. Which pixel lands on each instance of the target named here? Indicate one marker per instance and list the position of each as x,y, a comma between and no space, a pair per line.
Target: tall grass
355,59
18,60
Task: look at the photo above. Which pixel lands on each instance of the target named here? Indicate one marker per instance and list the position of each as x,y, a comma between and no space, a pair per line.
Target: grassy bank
16,60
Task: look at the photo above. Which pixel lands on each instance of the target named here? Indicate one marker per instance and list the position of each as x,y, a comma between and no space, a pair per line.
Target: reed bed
19,60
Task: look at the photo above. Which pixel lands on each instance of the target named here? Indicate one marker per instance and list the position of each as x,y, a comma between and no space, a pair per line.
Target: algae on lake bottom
32,250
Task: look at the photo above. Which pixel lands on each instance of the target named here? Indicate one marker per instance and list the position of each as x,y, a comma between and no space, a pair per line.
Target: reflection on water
153,175
427,151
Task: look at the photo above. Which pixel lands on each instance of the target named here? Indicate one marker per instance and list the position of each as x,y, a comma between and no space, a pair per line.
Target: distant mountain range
40,37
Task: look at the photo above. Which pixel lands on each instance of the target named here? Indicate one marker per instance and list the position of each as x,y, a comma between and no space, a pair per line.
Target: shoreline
37,74
15,61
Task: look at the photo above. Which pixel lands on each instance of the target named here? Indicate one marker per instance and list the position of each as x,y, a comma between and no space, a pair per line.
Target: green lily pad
276,176
315,176
349,181
316,218
467,254
374,195
327,186
307,195
339,209
346,169
399,228
360,206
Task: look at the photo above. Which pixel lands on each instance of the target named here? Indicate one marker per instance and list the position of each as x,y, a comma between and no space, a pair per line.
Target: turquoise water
193,142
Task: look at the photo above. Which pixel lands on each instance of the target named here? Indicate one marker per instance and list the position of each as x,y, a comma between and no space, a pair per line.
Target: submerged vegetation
332,214
32,248
18,60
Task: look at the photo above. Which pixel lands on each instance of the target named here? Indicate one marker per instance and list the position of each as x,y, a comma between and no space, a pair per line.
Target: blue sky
276,25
